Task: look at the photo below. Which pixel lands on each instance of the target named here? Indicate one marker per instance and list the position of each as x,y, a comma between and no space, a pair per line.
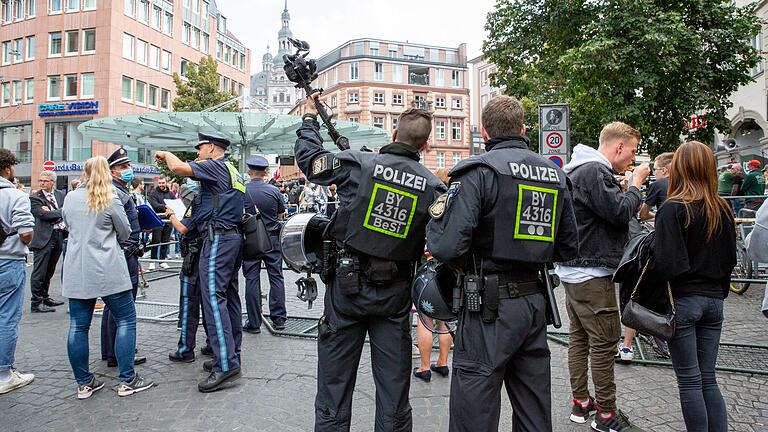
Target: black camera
302,72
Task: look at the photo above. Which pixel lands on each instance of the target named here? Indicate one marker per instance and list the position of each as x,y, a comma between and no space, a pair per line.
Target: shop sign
68,109
78,166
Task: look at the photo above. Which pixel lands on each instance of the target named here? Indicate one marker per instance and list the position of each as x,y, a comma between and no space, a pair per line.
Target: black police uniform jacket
383,198
509,207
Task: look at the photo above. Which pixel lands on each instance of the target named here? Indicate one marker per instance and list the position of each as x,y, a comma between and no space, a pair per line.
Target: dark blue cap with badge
204,138
259,163
119,157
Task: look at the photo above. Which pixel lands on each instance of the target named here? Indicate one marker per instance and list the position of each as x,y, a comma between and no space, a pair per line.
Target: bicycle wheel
744,269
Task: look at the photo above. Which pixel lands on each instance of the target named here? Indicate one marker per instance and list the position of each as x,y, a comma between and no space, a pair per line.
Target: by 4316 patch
390,211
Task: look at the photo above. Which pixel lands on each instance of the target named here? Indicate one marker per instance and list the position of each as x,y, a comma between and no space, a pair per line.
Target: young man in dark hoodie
603,211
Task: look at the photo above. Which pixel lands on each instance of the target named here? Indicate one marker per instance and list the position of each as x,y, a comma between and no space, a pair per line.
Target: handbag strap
640,279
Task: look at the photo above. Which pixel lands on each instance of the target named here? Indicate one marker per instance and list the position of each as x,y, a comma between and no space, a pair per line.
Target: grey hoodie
15,215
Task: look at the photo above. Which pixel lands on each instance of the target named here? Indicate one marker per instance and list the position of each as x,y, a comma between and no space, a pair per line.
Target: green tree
649,63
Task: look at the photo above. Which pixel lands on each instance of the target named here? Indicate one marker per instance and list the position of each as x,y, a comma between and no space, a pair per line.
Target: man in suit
49,235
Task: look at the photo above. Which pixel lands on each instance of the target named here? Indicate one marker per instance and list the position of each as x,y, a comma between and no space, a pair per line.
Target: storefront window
18,139
64,142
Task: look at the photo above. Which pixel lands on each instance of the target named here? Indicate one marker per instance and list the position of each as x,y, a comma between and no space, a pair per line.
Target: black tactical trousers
512,351
381,311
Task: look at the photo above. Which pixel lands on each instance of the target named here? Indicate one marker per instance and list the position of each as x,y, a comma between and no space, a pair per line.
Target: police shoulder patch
323,164
437,209
188,213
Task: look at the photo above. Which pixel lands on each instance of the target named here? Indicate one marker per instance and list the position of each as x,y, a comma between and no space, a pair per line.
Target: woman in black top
695,250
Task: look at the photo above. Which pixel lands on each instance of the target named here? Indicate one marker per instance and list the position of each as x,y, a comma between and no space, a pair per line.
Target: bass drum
301,241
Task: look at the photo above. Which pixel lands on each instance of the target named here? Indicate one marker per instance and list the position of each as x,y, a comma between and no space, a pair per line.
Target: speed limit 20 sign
554,133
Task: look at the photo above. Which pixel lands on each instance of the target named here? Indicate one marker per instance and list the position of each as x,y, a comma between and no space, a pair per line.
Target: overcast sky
326,24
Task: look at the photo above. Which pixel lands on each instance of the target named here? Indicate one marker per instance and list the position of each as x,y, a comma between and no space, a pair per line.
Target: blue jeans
123,311
12,274
699,321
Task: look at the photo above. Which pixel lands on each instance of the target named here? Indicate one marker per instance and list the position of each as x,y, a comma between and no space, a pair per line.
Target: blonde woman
95,267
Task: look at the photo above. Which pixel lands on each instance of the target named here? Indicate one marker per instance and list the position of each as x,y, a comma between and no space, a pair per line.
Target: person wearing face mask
122,175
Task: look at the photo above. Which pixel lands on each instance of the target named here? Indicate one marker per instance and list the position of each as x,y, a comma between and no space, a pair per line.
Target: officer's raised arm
317,163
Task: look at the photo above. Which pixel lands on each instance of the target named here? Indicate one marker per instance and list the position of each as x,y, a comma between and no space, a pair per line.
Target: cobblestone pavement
278,385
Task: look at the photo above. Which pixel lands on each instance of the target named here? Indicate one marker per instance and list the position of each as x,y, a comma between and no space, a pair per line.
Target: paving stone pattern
277,389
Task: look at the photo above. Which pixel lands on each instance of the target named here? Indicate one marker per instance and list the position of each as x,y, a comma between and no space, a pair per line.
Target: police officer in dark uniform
269,202
379,232
189,295
219,205
507,212
122,174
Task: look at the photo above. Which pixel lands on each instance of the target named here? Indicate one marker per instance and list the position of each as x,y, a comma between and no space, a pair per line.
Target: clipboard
148,219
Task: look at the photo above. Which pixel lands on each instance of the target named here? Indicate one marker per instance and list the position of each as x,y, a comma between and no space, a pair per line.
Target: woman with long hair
96,267
695,250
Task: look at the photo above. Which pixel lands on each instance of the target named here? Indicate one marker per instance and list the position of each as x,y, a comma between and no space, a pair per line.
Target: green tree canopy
200,88
649,63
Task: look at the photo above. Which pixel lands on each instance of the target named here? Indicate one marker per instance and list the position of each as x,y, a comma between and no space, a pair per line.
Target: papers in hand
178,207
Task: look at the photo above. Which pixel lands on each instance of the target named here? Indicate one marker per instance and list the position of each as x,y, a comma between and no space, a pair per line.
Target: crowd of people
497,219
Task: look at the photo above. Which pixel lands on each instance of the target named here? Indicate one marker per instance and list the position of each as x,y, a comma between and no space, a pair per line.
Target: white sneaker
164,265
627,354
152,266
17,380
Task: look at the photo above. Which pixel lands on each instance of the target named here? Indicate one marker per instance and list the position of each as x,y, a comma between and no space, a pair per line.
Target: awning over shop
258,133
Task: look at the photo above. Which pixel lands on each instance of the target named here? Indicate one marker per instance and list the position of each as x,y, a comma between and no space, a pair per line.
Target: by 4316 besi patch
536,213
390,211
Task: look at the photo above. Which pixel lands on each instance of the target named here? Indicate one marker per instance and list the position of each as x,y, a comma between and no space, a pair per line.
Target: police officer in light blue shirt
269,202
219,205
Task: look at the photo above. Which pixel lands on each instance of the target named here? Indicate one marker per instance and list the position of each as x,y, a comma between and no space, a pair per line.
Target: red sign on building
49,166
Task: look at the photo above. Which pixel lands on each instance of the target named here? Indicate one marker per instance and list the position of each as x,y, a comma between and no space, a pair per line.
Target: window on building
219,50
434,54
227,54
70,87
89,41
440,102
196,38
154,57
141,51
64,142
73,5
184,67
157,18
54,44
450,57
31,46
484,78
378,121
87,85
144,11
483,101
413,53
395,119
18,50
440,159
378,72
242,61
757,44
128,48
205,43
456,78
186,34
397,73
378,98
456,103
440,129
72,42
353,98
54,88
354,119
166,62
126,93
88,4
397,99
31,8
141,93
168,24
165,99
418,75
7,52
18,139
18,10
129,7
153,96
334,101
54,7
354,71
17,90
456,131
393,51
5,89
456,158
29,93
439,78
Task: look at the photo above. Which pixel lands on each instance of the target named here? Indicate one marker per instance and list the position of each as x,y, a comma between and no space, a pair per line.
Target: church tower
283,45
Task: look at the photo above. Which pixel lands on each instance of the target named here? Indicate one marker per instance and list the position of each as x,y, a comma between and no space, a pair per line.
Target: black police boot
51,302
180,358
136,361
42,307
252,330
206,351
278,325
216,380
208,365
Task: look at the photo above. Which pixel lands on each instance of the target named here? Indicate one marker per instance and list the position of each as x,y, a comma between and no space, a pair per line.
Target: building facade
271,90
373,81
64,62
482,91
749,113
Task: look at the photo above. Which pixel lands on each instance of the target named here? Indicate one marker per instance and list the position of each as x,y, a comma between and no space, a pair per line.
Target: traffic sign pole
554,133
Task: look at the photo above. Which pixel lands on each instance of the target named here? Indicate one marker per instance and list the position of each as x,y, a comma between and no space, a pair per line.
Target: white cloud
327,24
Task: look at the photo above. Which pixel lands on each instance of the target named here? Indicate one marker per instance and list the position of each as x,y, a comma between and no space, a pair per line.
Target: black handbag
647,321
256,240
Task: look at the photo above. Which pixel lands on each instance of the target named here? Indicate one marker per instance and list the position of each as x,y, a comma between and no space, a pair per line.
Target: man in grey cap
269,202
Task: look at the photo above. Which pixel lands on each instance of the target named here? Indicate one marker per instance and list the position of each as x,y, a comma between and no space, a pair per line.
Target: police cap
119,157
258,163
204,138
